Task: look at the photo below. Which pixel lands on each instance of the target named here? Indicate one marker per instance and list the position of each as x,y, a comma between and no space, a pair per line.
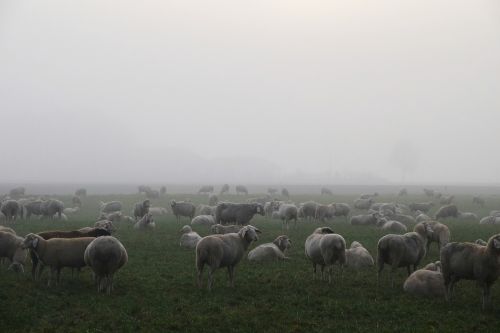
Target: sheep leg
230,270
210,277
58,276
200,273
314,271
323,276
486,296
330,274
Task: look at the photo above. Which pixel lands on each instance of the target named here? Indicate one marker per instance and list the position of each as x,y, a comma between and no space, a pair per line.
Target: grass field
156,290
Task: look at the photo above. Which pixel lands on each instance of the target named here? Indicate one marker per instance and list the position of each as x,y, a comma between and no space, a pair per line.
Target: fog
278,92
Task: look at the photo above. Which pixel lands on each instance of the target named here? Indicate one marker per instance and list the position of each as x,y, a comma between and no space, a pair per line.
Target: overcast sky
250,91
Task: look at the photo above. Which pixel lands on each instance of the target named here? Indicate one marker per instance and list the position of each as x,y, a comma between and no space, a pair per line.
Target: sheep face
185,229
249,233
494,243
31,241
259,209
284,242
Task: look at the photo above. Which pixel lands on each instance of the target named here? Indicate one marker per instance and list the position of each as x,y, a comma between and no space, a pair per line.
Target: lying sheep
72,210
105,224
357,257
447,200
428,192
287,212
440,233
421,217
182,209
471,262
207,220
206,210
158,211
368,196
225,229
189,238
490,220
370,219
427,282
146,222
403,250
424,207
325,248
11,247
7,229
363,203
227,212
58,253
271,251
446,211
467,216
141,209
105,256
405,219
112,206
223,251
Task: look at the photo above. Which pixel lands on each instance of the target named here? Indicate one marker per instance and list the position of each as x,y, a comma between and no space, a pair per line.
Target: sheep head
259,209
283,242
324,230
185,229
31,241
249,233
494,244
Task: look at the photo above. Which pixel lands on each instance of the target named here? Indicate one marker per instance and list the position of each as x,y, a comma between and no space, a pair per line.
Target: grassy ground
156,290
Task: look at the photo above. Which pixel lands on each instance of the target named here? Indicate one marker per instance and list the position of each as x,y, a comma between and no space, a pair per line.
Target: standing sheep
213,199
287,212
447,211
182,209
471,262
341,209
324,212
11,247
224,229
363,203
285,193
307,210
206,189
10,208
112,206
141,209
357,257
218,251
105,256
478,200
325,248
326,191
224,189
271,251
237,213
240,189
81,192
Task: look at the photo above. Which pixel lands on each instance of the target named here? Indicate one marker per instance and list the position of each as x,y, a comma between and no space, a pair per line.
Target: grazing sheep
146,222
237,213
182,209
223,251
105,256
440,233
58,252
467,216
33,208
357,257
71,210
447,211
10,208
479,241
403,250
224,189
490,220
271,251
403,192
81,192
189,238
341,209
83,232
240,189
324,247
447,200
112,206
105,224
52,207
394,226
424,207
213,199
307,210
141,209
370,219
478,200
426,282
326,191
287,212
421,217
428,192
11,247
285,193
363,203
324,212
471,262
224,229
207,220
206,189
158,211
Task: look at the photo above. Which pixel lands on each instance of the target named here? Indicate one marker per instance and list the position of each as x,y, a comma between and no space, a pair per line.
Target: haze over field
254,92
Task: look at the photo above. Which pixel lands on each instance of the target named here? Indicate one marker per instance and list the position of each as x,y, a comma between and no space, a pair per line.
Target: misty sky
250,91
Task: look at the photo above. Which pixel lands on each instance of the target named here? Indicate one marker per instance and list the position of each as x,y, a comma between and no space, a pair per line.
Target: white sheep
105,255
206,220
71,210
490,220
427,282
467,216
189,238
225,229
271,251
394,226
440,233
223,251
11,247
146,222
105,224
325,248
358,257
158,211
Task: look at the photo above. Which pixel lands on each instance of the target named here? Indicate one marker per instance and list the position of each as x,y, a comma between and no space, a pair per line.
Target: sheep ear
496,243
35,243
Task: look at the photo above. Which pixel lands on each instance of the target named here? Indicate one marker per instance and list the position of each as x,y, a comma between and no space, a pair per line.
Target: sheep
141,209
385,209
402,209
17,192
237,213
158,211
163,190
206,189
424,207
447,200
276,215
370,219
218,251
71,210
33,208
260,200
152,194
440,233
478,200
207,220
224,229
182,209
105,256
143,188
7,229
285,193
189,238
357,257
287,212
324,212
326,191
421,217
307,210
403,192
128,219
405,219
240,189
213,199
394,226
368,196
60,217
479,241
271,251
76,201
10,208
363,203
490,220
58,252
402,250
11,247
146,222
52,207
495,213
113,217
81,192
471,262
428,192
105,224
467,216
427,282
224,189
112,206
324,247
206,210
272,191
341,209
447,211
